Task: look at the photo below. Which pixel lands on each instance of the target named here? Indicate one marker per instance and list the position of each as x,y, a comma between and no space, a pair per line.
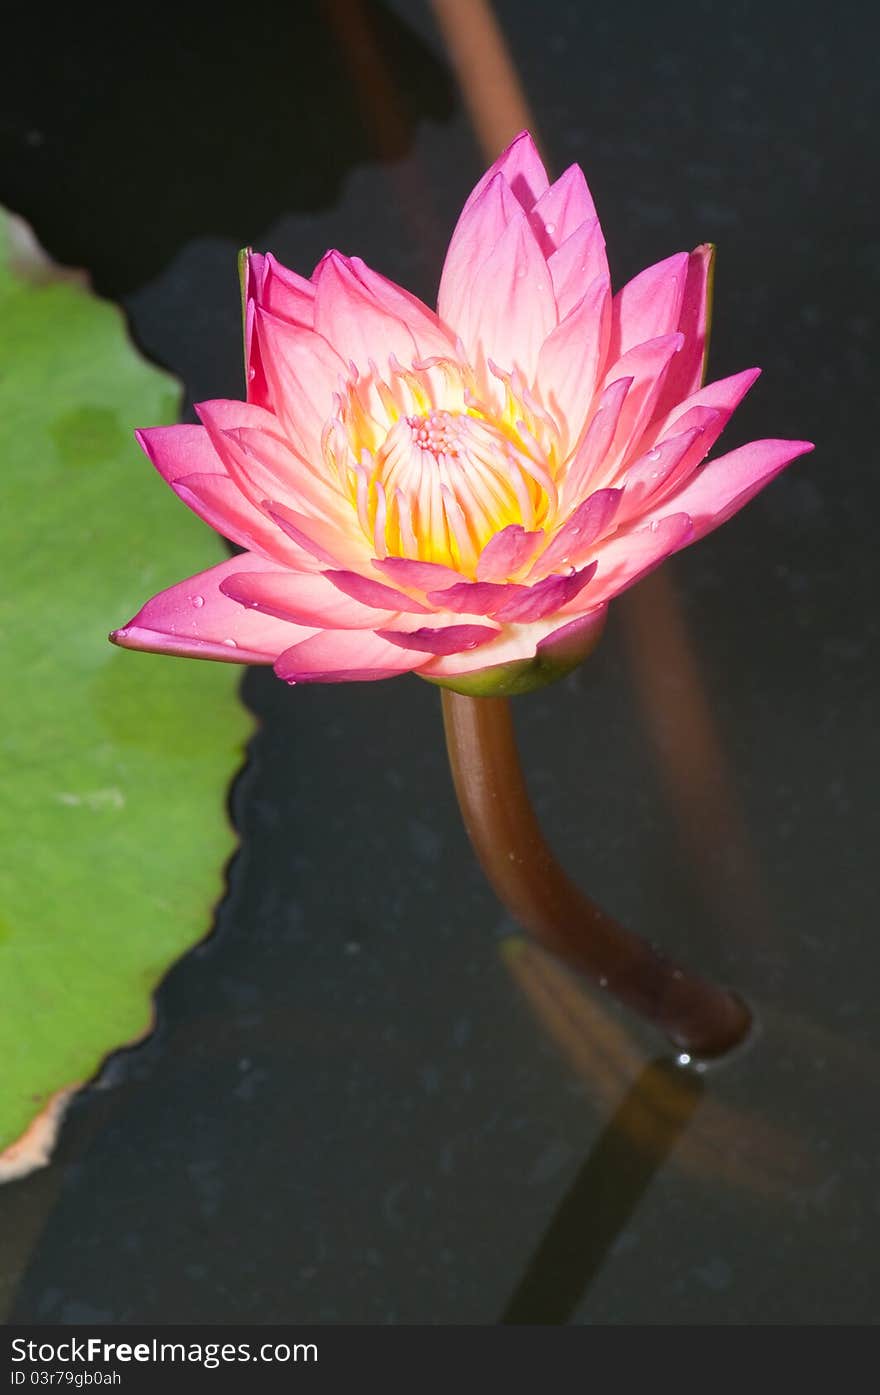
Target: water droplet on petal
252,373
198,601
230,643
654,454
550,228
654,525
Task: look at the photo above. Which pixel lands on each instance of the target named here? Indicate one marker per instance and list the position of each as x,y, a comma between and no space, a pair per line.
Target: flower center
435,433
432,472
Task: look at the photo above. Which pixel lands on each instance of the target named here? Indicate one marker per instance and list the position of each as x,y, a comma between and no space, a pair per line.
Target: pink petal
723,397
670,462
710,409
327,542
219,501
267,285
360,325
572,358
576,264
225,414
590,521
303,373
562,208
258,390
519,644
302,600
195,619
374,593
523,169
263,465
509,646
482,221
627,557
447,639
512,308
574,639
180,450
507,553
686,372
545,598
420,576
282,292
649,306
474,597
188,459
588,463
718,490
646,364
431,337
512,603
345,656
251,273
521,658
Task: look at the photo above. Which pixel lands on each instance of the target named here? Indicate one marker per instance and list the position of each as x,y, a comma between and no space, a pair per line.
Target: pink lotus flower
457,494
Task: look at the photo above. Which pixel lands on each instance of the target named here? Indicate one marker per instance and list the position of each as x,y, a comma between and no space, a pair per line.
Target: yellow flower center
432,471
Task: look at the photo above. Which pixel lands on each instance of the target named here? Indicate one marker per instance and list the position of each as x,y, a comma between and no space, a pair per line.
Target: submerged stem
697,1016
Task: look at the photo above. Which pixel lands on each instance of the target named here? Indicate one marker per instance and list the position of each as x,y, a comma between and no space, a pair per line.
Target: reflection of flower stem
697,1016
599,1205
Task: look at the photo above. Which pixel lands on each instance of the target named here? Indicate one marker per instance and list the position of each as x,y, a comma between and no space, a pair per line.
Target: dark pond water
360,1105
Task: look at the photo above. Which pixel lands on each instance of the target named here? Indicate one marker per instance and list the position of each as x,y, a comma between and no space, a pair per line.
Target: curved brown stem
696,1015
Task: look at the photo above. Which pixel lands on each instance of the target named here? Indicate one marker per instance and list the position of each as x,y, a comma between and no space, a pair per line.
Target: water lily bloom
458,494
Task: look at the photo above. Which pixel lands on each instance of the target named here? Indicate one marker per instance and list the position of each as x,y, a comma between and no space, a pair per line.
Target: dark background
349,1112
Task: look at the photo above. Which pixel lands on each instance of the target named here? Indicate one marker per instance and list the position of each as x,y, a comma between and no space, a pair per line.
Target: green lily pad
114,765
